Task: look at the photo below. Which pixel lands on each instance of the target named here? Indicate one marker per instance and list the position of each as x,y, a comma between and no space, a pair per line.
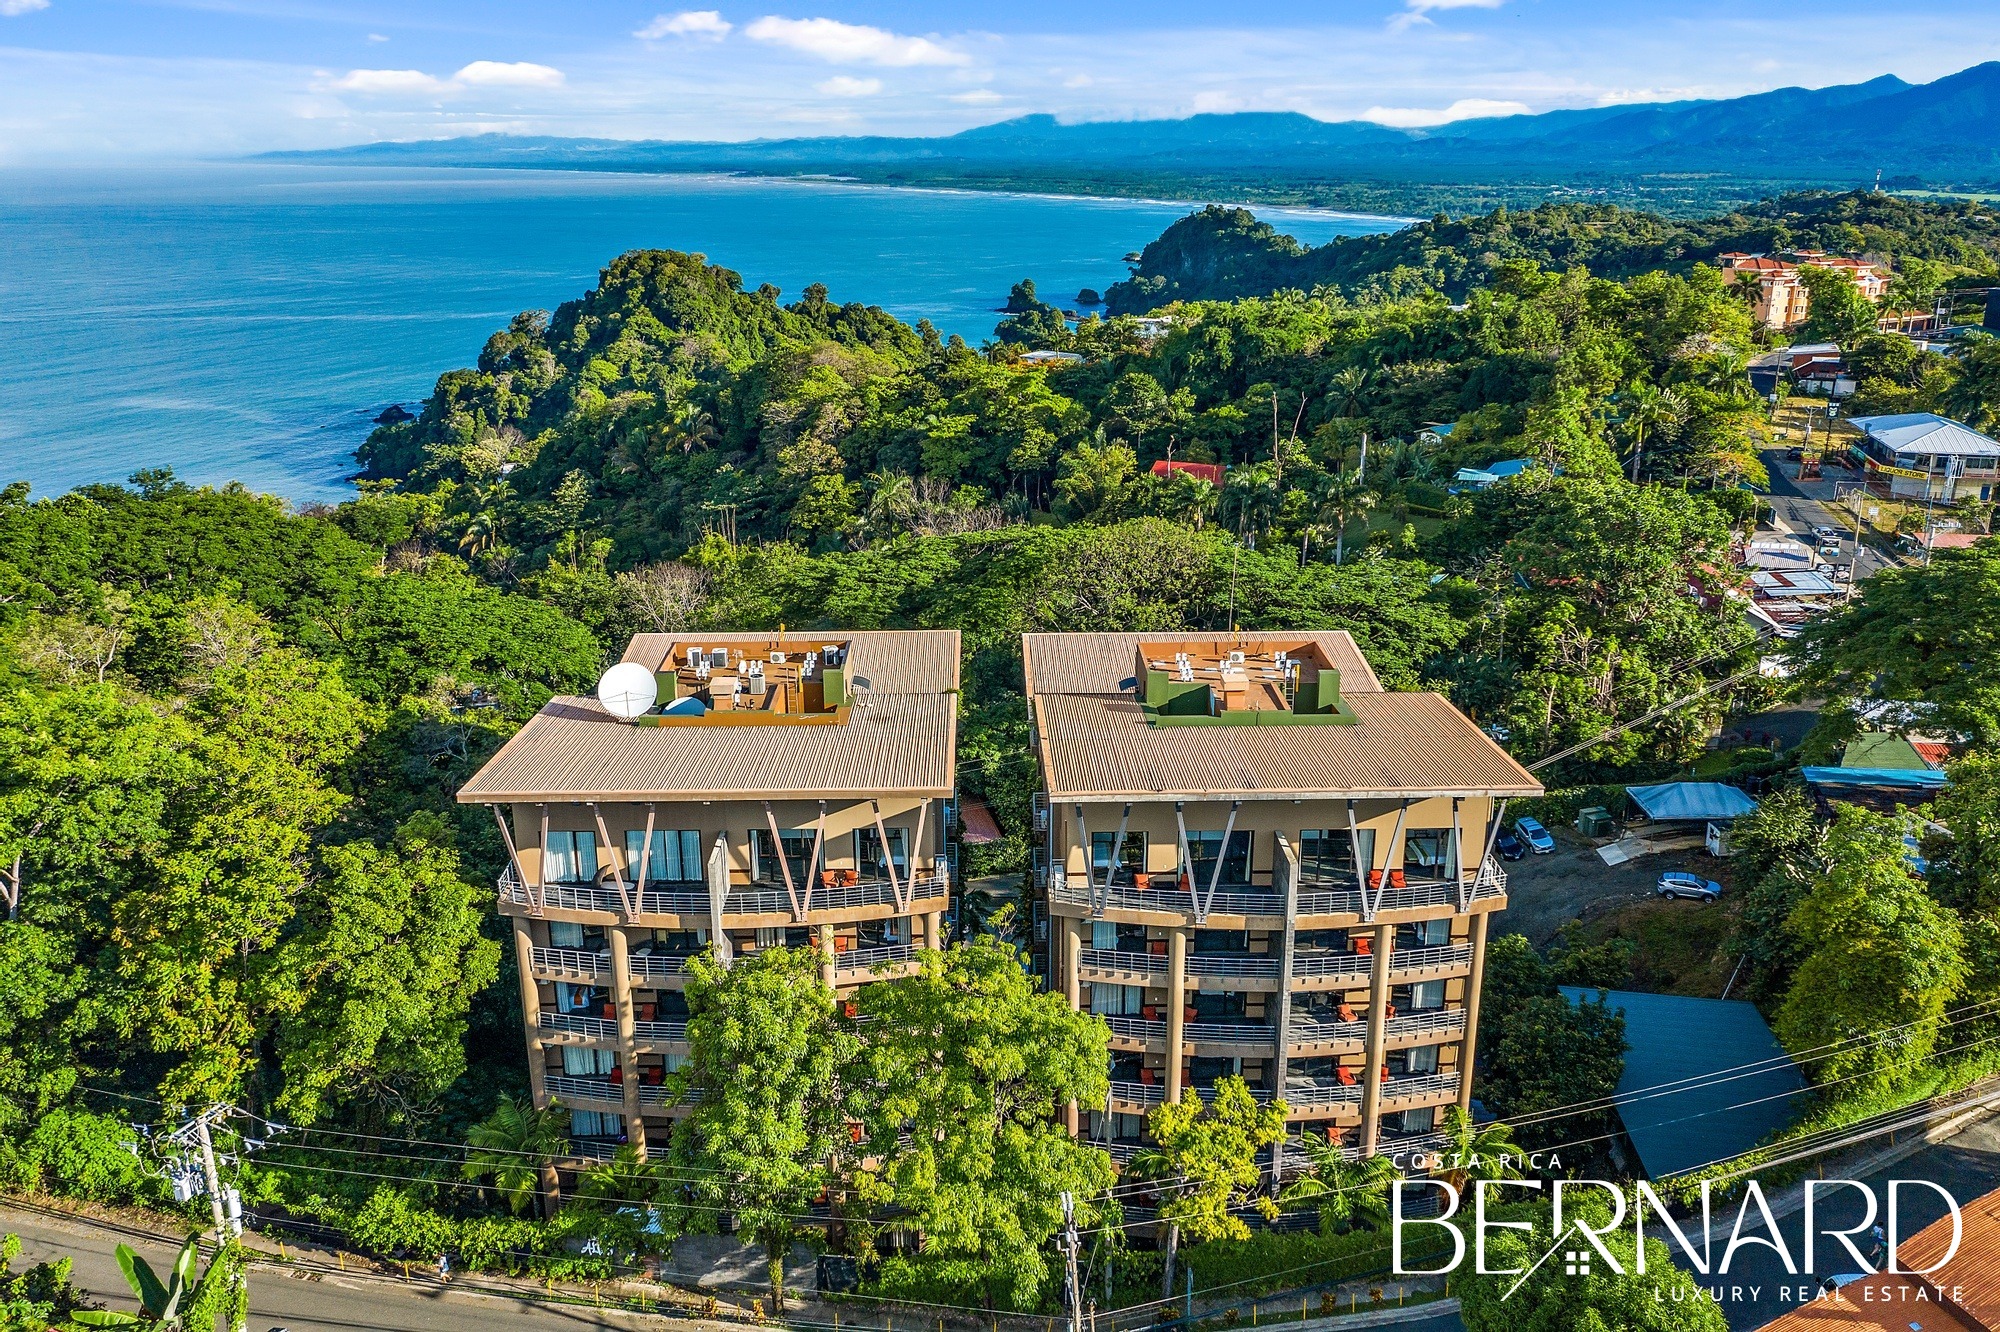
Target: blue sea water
246,322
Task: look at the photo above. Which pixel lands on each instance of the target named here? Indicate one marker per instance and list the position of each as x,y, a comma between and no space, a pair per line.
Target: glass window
675,858
1427,853
1328,853
583,1061
595,1124
563,934
1131,856
1205,847
1420,1121
868,852
1426,995
570,857
1117,1000
1423,1059
798,853
1104,934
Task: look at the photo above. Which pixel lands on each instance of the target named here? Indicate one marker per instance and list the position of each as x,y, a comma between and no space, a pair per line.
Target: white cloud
416,83
501,74
976,97
389,82
688,23
16,8
830,39
1419,11
1420,117
1078,81
377,37
1208,102
840,85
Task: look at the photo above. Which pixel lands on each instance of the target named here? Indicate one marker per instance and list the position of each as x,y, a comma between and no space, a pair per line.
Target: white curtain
675,857
570,857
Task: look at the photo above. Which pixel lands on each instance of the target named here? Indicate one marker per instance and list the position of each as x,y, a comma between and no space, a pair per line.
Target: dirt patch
1545,893
1678,947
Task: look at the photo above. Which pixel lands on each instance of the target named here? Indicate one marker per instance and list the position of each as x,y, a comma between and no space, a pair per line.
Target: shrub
82,1155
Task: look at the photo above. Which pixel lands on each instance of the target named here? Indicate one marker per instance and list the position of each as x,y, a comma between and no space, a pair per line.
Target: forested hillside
1224,253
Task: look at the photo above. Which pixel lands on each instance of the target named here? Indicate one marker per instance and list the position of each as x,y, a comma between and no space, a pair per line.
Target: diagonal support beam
1394,862
819,847
506,835
784,866
1364,865
1492,836
1221,859
538,895
1111,866
625,897
897,889
646,856
1089,871
1187,859
1464,892
916,843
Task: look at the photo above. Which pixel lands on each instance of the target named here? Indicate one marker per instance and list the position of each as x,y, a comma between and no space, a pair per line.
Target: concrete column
824,935
1072,950
1378,1018
934,930
1177,941
1469,1047
628,1039
531,1012
1286,868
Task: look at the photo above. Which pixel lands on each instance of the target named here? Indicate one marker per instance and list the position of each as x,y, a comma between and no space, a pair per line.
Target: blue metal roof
1691,800
1704,1078
1907,777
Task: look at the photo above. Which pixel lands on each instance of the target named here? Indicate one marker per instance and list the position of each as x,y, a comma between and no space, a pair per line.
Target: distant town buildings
1782,300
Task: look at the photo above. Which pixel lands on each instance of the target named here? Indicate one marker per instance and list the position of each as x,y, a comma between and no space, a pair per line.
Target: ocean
247,322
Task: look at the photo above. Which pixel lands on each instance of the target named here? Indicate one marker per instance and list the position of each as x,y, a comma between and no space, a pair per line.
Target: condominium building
1257,862
734,791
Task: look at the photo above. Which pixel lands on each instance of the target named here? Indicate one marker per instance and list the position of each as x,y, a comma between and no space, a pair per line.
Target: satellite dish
628,690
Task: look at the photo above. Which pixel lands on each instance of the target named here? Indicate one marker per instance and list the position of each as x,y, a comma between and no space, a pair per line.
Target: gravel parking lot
1544,893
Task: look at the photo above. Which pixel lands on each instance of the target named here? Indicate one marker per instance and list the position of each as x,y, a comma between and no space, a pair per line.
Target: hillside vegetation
1224,253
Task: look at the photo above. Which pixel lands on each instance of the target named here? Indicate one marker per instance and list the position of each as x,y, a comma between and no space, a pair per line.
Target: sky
175,80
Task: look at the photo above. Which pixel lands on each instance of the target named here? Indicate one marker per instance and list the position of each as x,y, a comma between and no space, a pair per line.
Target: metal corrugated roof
1926,432
899,737
1100,747
1103,663
1971,1279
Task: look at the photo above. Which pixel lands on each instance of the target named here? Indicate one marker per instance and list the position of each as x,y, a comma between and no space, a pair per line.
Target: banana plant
160,1303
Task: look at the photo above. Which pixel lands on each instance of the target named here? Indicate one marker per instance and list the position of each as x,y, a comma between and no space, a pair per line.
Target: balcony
571,963
1315,1093
1316,897
578,1024
657,1097
1145,1031
1139,1094
1147,966
1262,1035
1415,963
1332,1037
1345,966
571,1090
650,1033
1245,965
1419,1089
1436,1023
660,964
861,963
685,898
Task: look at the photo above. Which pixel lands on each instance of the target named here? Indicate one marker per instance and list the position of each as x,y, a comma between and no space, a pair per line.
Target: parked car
1535,835
1509,845
1828,536
1688,884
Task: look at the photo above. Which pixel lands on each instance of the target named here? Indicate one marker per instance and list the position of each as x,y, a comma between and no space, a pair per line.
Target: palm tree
1349,387
694,428
514,1146
1974,396
624,1181
1188,499
1251,496
1473,1152
1649,410
1347,1191
1344,498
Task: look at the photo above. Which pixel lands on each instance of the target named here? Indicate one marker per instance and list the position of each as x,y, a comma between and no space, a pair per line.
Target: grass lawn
1681,947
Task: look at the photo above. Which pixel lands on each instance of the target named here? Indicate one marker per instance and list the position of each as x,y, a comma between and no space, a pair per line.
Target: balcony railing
1230,1033
1301,1093
570,1089
1136,1028
660,964
1244,899
579,1024
1232,964
1312,1031
670,1029
657,1096
1439,1022
1112,959
867,959
1420,1086
1425,959
1139,1093
1331,964
690,898
572,962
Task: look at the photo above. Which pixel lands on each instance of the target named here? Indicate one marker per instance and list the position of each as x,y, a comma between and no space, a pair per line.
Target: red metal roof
977,825
1209,472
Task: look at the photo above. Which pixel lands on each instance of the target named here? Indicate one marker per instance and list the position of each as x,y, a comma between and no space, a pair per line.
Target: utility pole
223,1207
1072,1290
208,1170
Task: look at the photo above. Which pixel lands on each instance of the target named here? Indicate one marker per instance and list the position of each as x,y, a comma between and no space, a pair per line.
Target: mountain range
1947,131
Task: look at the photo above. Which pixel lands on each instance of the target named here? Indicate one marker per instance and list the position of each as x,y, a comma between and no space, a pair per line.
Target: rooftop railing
683,898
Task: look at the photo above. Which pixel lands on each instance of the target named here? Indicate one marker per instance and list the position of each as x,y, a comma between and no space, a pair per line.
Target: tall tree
514,1147
761,1147
1205,1159
970,1065
1347,1191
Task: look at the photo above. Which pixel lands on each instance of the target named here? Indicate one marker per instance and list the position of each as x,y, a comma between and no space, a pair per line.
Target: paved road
1809,504
1968,1165
328,1303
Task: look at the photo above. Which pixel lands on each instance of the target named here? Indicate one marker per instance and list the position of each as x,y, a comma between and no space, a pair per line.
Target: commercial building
733,791
1914,455
1257,862
1782,300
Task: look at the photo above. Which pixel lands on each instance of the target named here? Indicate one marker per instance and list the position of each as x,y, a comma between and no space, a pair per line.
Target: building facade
788,790
1921,455
1257,862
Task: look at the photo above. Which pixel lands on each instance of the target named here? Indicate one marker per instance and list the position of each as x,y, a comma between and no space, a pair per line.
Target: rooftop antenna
1234,552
